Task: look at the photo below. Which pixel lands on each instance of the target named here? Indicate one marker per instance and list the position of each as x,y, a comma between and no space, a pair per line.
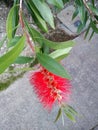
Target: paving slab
21,110
82,65
65,16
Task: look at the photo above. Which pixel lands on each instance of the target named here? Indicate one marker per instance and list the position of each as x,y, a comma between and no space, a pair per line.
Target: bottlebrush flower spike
50,87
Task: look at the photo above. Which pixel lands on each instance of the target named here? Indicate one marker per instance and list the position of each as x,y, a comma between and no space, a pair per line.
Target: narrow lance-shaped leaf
82,13
11,23
60,52
79,2
58,45
36,15
45,11
16,2
61,57
69,114
80,28
94,27
51,65
34,33
87,31
65,1
57,3
16,14
7,59
13,41
72,110
93,2
58,115
23,60
75,13
91,35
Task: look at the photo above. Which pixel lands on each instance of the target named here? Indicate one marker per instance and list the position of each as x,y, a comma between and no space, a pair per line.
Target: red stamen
50,87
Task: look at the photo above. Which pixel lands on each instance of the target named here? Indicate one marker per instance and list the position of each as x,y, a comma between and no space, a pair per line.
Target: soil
59,35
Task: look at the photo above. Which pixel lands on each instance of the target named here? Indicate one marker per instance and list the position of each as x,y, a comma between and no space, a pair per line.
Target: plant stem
23,28
90,11
20,4
87,7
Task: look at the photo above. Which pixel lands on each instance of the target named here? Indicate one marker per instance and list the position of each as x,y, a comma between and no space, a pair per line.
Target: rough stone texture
21,110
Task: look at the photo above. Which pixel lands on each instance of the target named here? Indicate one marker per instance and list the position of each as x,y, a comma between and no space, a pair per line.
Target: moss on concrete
9,81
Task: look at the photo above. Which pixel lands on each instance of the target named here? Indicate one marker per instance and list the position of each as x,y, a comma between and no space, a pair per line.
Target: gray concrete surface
96,128
21,110
65,16
83,67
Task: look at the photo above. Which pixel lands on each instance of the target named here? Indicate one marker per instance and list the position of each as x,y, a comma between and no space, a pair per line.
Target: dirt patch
59,35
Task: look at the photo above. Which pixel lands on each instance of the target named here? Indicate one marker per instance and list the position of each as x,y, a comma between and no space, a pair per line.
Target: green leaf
16,14
36,15
75,13
65,1
91,35
7,59
45,12
93,2
23,60
69,115
79,2
94,26
35,35
2,41
60,52
85,18
72,110
80,28
55,45
82,13
12,22
58,45
13,41
87,31
51,65
57,3
94,9
61,57
16,2
58,115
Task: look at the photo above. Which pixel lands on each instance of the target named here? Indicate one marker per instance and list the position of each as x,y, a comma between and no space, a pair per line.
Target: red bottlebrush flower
50,87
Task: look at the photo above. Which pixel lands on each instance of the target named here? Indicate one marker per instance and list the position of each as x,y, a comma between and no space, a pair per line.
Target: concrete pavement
21,110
